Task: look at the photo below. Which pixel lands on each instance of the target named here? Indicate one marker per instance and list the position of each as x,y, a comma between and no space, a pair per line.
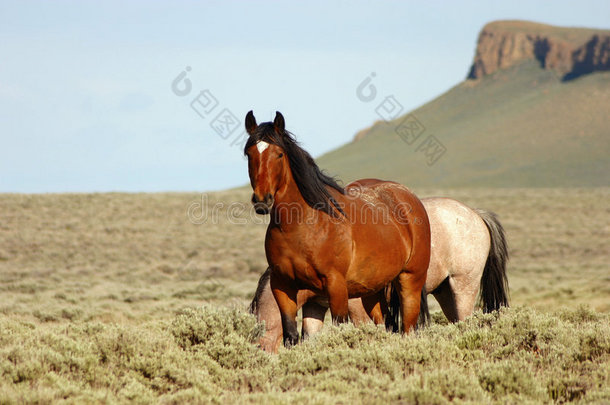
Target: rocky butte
534,111
570,52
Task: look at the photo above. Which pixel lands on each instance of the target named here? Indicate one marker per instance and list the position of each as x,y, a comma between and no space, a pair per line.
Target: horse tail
494,284
262,283
424,312
392,318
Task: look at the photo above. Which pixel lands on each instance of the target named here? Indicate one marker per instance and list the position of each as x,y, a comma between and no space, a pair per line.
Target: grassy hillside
102,300
519,127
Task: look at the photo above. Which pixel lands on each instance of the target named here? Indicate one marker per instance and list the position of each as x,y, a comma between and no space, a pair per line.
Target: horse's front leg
286,297
336,289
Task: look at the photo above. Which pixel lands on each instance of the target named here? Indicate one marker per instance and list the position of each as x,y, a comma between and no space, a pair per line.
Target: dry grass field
116,298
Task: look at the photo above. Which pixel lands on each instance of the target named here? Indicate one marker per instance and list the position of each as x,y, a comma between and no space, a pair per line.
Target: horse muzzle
263,205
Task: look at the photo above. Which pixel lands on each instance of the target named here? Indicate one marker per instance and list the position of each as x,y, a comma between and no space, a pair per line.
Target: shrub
209,355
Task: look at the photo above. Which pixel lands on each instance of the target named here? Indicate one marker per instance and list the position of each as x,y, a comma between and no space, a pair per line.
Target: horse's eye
281,155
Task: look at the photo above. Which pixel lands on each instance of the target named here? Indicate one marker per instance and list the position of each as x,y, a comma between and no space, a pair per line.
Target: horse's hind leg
376,306
465,292
444,295
313,318
411,285
314,314
456,297
357,313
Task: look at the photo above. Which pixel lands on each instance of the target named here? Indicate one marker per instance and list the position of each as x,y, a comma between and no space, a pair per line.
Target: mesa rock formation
570,52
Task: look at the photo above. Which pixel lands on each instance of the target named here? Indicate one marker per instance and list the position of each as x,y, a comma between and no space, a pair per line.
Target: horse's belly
375,263
357,289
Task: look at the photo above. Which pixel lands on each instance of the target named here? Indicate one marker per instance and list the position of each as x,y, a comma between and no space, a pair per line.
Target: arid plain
137,263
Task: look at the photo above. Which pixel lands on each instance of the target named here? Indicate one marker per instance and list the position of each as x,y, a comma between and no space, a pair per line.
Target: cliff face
570,52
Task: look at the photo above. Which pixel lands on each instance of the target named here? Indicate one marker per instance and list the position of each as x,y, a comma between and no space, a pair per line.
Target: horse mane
311,181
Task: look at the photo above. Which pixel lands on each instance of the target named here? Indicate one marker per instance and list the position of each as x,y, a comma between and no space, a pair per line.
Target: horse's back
460,242
404,208
385,217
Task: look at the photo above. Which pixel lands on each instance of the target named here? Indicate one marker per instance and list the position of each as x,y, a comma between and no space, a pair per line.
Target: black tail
494,284
262,282
424,314
392,319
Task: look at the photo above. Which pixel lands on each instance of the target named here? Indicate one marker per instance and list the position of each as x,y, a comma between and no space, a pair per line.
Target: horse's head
267,163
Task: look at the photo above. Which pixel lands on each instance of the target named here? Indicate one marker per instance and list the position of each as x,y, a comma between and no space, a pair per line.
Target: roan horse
327,240
468,258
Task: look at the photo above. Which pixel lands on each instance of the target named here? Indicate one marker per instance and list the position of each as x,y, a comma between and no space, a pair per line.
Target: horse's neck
290,208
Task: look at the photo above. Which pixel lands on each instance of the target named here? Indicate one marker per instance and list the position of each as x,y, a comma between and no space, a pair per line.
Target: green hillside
521,126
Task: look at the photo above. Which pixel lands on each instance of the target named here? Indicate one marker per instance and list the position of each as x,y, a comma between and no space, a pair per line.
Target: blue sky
86,99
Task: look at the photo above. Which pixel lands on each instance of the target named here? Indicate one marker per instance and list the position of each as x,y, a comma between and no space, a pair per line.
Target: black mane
310,180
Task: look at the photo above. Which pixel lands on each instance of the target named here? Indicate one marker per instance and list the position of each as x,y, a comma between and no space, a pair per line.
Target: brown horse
468,258
335,242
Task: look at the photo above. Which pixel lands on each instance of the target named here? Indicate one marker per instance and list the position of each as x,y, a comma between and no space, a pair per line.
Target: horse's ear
250,123
278,122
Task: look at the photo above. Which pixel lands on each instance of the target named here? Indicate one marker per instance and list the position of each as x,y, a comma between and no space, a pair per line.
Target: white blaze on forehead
261,146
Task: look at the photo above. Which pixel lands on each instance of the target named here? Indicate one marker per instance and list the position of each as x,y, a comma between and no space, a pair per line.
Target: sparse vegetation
117,298
208,355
